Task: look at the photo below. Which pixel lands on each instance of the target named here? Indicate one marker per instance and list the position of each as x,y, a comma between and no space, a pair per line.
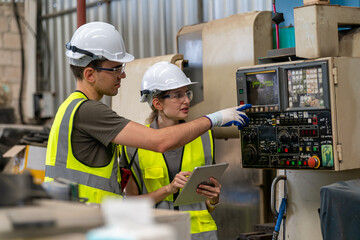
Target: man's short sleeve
99,121
95,126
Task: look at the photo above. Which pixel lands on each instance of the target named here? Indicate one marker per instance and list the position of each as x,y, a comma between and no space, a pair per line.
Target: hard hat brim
180,86
127,58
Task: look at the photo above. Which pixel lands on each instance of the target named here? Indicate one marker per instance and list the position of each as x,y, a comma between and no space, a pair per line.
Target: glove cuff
215,119
211,124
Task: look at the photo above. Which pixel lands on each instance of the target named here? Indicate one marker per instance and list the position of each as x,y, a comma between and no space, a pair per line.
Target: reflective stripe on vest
151,174
61,163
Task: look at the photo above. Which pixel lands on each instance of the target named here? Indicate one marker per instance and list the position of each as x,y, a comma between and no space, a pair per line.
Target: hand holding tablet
200,176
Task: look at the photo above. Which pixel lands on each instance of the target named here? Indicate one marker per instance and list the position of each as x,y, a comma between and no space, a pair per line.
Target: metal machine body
318,37
303,115
215,50
317,30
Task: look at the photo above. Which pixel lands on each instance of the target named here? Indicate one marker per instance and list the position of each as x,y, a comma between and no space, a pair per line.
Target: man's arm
164,139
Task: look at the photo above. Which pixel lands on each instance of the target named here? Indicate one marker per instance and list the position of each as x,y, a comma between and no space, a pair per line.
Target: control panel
290,121
301,140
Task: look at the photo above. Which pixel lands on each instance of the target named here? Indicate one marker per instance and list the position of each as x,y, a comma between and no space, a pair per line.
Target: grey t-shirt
172,157
95,126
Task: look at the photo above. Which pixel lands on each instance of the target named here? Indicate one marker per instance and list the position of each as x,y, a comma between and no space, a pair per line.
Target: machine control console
290,121
299,140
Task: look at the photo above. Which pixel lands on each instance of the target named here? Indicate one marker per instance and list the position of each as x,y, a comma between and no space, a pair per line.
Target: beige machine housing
317,31
344,89
238,40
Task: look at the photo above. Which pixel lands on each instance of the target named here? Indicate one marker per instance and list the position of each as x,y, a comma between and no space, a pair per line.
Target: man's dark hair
78,71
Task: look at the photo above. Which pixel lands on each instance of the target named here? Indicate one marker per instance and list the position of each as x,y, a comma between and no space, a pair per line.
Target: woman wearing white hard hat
160,176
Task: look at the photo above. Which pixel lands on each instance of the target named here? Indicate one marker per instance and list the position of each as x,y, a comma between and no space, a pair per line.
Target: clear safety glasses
116,71
179,96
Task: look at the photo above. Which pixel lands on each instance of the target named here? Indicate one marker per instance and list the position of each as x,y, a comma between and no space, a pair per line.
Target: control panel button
313,162
314,120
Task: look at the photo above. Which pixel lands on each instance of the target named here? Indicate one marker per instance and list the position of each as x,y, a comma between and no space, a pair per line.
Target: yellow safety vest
94,182
153,174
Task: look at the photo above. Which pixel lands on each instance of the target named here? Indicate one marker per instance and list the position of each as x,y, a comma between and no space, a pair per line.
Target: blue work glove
230,116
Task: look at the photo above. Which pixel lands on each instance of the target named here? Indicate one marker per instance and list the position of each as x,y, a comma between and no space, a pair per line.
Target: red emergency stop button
313,162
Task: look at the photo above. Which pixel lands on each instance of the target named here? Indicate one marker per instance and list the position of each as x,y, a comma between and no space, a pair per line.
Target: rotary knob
250,154
284,136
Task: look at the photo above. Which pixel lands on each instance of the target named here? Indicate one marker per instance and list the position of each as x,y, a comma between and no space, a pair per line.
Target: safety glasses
117,71
179,96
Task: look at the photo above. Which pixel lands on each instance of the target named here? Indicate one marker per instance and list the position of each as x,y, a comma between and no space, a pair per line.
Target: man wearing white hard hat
85,132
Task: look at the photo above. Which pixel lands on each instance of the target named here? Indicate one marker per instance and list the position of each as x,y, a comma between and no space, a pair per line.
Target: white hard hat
162,76
94,41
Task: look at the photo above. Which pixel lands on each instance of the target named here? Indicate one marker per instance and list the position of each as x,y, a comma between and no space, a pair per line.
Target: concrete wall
10,56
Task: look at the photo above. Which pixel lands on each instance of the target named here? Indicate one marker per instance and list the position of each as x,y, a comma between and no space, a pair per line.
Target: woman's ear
157,104
89,74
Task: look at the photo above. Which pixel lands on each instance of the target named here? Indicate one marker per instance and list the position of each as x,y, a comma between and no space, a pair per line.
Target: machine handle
273,194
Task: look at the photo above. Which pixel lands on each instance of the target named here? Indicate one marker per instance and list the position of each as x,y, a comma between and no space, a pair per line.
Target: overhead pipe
81,12
72,10
277,18
276,26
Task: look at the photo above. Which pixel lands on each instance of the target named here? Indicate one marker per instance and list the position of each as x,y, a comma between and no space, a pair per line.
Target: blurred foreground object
16,134
48,219
27,158
123,218
19,190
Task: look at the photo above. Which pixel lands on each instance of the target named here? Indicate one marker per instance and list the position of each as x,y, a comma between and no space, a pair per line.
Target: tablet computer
200,175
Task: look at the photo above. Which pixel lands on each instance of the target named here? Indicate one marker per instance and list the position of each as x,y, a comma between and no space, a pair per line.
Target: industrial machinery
298,118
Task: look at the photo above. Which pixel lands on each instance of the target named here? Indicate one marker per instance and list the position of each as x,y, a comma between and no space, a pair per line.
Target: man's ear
157,104
89,74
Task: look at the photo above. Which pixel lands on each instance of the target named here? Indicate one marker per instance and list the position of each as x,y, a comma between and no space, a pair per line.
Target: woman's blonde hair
155,113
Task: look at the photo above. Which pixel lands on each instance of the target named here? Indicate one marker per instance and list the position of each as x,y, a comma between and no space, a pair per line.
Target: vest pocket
154,173
201,221
154,178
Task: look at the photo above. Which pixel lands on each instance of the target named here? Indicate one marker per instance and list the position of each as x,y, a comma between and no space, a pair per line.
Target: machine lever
273,193
281,214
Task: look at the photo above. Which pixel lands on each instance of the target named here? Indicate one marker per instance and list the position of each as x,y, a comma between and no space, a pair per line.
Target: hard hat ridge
94,41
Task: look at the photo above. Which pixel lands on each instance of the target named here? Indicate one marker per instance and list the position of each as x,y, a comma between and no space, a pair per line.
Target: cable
17,17
27,25
279,219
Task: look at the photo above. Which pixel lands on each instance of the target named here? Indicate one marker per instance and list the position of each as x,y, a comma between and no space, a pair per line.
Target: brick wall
10,55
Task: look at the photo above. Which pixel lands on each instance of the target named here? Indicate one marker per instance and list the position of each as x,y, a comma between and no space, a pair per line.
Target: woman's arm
160,194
